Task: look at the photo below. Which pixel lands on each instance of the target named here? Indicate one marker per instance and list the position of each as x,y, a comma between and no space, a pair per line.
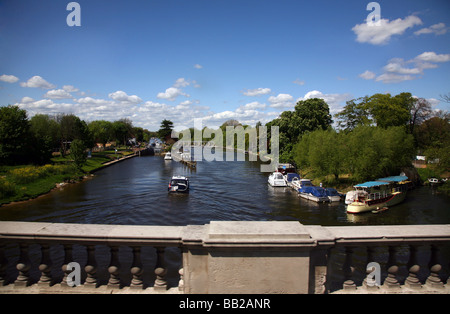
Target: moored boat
276,179
313,193
168,156
333,195
371,195
291,177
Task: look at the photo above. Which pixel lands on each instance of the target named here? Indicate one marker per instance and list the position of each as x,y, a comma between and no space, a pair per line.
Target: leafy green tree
78,152
309,115
71,128
101,131
354,114
14,135
44,132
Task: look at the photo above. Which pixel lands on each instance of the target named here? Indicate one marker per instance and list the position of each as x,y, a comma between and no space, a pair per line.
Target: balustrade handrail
91,234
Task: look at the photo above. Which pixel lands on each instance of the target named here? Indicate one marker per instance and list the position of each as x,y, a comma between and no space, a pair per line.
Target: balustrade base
402,289
83,289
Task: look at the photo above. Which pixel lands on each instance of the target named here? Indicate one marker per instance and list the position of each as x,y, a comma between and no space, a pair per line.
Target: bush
7,188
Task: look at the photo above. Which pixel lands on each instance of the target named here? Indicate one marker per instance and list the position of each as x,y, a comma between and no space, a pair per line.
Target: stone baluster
45,266
68,258
91,268
181,282
137,270
412,281
370,282
3,264
434,281
348,270
23,266
160,270
114,269
391,281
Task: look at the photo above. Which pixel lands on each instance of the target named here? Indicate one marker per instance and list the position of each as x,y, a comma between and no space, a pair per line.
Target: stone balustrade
224,257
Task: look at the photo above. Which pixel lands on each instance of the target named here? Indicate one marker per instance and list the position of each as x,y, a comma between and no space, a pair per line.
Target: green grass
19,183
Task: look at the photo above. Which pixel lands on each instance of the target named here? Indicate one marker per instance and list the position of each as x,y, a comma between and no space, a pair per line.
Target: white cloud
57,94
398,70
281,101
394,78
171,94
368,75
299,82
433,57
334,101
437,29
70,89
26,100
124,98
257,92
181,82
198,66
8,78
381,33
37,82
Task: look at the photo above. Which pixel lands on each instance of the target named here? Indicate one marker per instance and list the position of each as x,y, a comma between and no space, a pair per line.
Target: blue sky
248,60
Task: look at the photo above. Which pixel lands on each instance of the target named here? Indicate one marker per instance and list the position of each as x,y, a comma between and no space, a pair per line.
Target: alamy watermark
74,17
237,143
374,17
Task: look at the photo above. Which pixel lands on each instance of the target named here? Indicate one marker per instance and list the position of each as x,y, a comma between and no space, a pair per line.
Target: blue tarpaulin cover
314,190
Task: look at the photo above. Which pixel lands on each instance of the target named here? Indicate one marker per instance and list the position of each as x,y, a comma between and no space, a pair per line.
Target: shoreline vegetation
27,182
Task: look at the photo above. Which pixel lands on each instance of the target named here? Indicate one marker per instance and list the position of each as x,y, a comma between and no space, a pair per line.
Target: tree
44,132
14,135
101,131
71,128
309,115
78,152
322,150
165,131
420,111
390,111
354,114
313,114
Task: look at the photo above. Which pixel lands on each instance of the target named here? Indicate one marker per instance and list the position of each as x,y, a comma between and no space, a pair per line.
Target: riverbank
26,182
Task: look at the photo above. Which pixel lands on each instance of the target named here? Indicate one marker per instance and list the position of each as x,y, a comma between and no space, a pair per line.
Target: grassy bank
19,183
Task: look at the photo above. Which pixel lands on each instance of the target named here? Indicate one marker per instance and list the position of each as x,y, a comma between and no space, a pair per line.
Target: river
134,192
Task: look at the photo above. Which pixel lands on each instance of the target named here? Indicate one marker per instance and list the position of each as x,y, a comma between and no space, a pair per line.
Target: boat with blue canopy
372,195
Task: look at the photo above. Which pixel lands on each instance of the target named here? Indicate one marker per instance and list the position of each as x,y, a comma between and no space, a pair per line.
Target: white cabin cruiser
179,184
277,179
168,156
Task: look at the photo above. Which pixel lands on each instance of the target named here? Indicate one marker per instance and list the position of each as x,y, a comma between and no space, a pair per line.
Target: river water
134,192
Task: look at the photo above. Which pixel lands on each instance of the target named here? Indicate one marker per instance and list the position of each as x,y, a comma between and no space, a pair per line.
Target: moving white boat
277,179
372,195
314,193
179,184
168,156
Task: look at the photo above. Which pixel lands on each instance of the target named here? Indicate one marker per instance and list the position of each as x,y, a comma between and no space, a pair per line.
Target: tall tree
14,135
165,130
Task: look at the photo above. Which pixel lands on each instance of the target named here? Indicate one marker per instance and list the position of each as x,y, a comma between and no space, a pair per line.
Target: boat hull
314,198
361,207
